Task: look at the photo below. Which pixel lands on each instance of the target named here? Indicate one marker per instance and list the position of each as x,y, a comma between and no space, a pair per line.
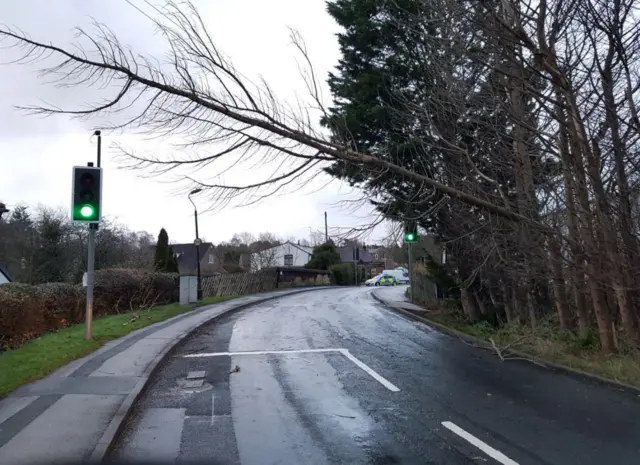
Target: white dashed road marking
483,446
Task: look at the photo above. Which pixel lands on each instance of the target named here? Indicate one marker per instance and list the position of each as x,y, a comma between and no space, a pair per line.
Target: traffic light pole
91,258
90,271
410,246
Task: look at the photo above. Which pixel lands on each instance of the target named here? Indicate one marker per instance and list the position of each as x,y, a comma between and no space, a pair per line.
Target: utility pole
356,258
197,242
326,229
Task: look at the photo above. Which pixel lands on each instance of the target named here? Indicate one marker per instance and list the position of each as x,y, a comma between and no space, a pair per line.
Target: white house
4,276
287,254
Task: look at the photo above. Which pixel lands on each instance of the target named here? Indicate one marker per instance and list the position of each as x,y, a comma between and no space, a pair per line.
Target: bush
29,311
21,314
62,303
343,274
125,290
324,257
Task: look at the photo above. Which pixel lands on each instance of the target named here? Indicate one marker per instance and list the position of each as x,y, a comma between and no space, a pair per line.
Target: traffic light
410,231
86,197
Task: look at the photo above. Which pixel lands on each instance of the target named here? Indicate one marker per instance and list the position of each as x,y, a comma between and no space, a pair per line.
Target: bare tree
264,258
526,123
198,94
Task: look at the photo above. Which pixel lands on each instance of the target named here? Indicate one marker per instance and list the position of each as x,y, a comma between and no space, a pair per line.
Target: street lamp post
197,241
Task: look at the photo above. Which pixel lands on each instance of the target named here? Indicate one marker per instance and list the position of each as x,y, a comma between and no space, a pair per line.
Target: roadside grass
42,356
548,344
215,300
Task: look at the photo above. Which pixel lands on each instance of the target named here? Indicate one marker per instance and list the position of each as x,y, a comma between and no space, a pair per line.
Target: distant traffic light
409,237
86,197
410,231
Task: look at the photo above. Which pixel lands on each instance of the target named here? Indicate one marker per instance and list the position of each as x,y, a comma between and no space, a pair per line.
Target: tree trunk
575,243
469,305
629,254
531,307
559,291
578,147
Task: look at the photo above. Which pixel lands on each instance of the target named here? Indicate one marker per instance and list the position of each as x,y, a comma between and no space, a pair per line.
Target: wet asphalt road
361,384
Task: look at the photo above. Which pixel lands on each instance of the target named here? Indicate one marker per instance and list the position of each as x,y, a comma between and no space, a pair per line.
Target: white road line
483,446
390,386
261,352
213,410
370,371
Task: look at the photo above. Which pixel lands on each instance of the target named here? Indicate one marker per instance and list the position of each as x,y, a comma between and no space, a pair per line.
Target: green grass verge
548,344
214,300
41,356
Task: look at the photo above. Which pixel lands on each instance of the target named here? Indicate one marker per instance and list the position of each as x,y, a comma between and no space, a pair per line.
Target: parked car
382,280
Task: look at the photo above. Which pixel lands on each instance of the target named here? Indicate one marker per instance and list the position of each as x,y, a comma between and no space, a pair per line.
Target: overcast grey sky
36,155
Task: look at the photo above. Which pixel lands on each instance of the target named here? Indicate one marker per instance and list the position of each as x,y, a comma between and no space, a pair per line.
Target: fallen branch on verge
501,351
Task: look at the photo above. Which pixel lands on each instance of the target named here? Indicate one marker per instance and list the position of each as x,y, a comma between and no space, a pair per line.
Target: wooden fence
238,284
424,290
262,281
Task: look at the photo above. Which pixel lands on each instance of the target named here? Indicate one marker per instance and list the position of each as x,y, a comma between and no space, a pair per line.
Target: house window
376,256
288,260
211,259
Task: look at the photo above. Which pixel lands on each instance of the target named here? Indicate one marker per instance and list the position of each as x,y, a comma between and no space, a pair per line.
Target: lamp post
197,241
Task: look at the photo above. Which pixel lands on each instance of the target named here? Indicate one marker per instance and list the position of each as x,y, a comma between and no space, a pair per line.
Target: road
331,376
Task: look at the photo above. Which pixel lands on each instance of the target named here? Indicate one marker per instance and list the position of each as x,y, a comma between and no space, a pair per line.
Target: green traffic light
87,211
410,237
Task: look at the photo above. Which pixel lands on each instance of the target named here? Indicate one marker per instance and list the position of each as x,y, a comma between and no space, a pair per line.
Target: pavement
74,414
334,376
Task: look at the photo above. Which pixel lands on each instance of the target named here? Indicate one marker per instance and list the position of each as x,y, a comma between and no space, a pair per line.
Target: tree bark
558,280
469,305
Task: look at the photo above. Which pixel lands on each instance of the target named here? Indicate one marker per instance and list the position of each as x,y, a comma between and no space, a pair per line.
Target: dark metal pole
90,277
91,260
99,134
410,245
195,214
91,256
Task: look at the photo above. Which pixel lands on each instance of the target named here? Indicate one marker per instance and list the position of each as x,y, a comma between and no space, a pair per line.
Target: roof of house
303,248
6,274
186,255
346,255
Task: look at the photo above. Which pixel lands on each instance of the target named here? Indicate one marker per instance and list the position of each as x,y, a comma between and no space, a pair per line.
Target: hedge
29,311
343,274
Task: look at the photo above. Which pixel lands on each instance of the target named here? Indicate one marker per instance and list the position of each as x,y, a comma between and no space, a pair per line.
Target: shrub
29,311
343,274
21,314
62,303
324,257
125,290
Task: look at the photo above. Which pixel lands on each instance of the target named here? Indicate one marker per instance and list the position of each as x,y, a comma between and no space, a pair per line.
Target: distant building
287,254
5,277
186,255
381,259
352,254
